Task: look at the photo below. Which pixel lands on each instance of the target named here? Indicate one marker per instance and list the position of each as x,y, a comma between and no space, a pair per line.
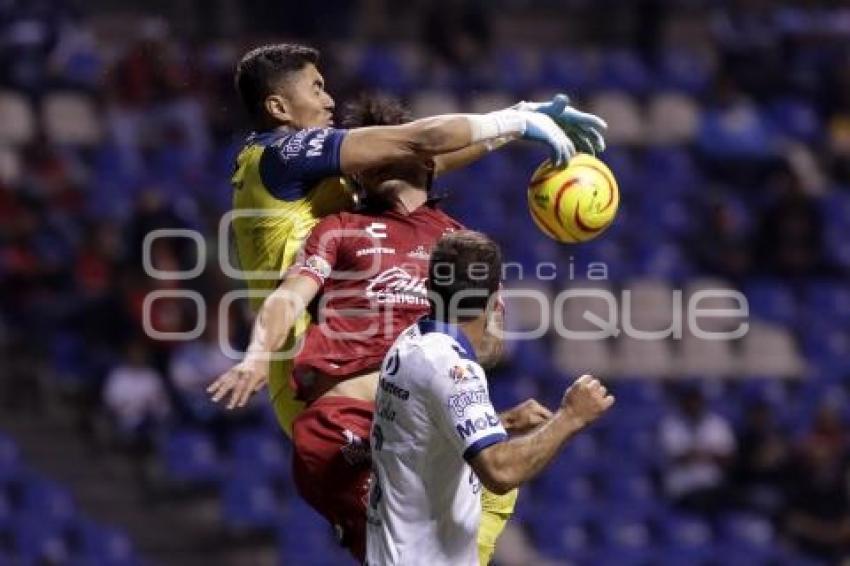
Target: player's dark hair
383,110
464,273
260,71
375,110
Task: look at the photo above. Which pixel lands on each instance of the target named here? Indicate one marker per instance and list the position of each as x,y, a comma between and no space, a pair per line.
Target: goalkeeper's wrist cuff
485,127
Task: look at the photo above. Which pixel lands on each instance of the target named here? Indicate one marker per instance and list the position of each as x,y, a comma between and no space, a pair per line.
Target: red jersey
372,269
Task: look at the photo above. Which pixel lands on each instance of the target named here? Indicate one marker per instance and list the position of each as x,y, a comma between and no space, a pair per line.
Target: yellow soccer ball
574,204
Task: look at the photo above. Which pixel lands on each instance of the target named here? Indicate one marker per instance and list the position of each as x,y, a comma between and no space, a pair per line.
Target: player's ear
277,107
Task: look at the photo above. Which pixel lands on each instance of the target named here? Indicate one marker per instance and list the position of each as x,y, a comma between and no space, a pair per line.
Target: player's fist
587,399
240,382
525,416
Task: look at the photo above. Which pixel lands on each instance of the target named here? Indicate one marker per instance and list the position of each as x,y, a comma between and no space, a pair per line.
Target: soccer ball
574,204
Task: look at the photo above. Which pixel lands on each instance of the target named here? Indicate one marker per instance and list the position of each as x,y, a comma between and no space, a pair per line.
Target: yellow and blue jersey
284,181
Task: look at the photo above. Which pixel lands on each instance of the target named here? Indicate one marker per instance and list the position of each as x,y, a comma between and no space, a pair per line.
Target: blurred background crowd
729,135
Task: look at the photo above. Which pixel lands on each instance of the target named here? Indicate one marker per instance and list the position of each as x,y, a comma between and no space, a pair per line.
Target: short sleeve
293,164
318,257
458,399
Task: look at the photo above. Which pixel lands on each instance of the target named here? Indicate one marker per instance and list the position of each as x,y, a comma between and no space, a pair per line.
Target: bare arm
461,158
374,146
364,148
506,465
272,326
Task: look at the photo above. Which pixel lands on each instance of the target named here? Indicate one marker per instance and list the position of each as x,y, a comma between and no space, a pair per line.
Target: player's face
492,342
302,101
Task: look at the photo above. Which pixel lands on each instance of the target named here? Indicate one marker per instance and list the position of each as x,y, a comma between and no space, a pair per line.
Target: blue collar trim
428,325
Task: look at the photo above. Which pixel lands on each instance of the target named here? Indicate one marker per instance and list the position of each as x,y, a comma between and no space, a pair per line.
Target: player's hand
587,399
524,417
583,129
240,382
540,127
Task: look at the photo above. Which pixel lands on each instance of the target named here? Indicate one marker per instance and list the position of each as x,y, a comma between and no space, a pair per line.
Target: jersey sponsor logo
374,251
317,144
355,451
318,266
471,426
386,412
465,399
419,253
391,388
292,145
462,374
395,285
376,230
393,363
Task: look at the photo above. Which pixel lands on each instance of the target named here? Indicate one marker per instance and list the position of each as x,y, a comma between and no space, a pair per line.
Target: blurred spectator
721,247
134,395
790,239
194,365
818,514
762,461
698,447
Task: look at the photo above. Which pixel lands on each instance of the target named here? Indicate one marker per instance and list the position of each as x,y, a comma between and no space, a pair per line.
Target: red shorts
332,464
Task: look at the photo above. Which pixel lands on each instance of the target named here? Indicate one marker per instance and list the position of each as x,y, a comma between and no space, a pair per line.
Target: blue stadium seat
48,502
828,299
191,457
250,503
750,530
10,459
571,71
797,119
747,137
669,171
624,70
684,71
40,543
685,531
104,546
261,453
771,300
381,68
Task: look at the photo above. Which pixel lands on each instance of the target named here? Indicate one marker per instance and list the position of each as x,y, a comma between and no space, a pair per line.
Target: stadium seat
10,459
648,304
771,300
715,294
684,70
249,503
796,119
573,71
625,120
672,118
104,546
489,101
71,119
828,299
48,502
528,304
191,457
738,132
710,358
748,529
260,453
381,68
17,121
431,103
40,543
624,70
575,357
10,165
636,356
770,350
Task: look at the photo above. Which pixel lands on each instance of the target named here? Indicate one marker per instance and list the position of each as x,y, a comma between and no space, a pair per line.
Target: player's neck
474,331
409,198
